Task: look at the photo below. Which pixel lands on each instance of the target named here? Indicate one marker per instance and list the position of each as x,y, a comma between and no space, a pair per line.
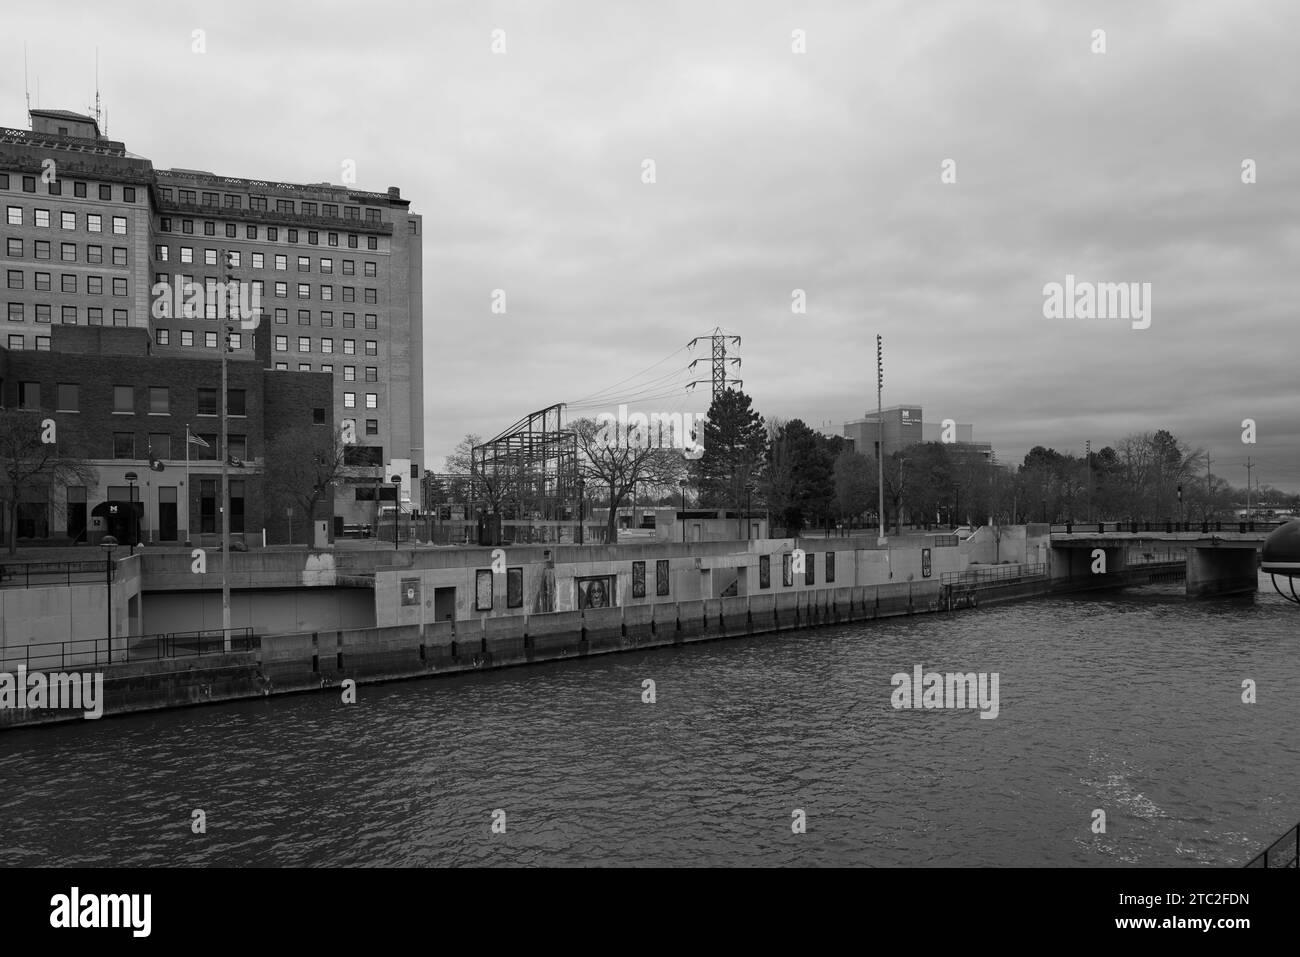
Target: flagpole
189,534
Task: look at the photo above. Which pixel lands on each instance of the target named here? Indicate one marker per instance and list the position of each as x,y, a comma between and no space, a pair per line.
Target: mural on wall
514,588
787,571
638,579
410,591
483,590
830,568
595,592
764,571
925,563
661,577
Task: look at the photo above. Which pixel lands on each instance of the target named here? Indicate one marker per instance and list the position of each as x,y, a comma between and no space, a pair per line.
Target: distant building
903,426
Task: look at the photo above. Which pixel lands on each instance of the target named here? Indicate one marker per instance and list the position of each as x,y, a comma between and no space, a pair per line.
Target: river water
1130,703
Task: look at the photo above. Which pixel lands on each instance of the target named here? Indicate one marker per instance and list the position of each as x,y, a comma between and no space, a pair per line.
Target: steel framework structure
529,471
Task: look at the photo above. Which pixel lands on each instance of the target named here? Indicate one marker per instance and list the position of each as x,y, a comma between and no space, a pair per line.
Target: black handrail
1285,851
155,647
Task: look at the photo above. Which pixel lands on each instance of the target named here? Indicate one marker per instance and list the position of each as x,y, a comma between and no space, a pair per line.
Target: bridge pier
1221,571
1073,566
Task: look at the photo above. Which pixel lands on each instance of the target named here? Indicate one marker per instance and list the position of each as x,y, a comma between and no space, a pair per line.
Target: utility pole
1087,454
225,469
1209,486
880,436
1249,465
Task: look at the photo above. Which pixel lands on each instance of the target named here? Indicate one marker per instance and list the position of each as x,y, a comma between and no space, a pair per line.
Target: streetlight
397,504
582,507
131,479
109,544
683,484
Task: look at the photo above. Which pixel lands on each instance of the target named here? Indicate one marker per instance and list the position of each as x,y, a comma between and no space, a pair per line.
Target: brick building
95,236
119,405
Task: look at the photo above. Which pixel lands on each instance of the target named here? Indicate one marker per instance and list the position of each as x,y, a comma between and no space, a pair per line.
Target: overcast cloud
775,171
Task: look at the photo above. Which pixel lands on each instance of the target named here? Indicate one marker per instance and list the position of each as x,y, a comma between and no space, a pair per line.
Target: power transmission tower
720,361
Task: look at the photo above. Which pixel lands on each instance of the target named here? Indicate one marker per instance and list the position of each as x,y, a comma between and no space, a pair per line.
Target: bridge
1221,558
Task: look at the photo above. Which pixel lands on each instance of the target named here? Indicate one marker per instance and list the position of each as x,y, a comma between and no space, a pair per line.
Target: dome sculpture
1281,556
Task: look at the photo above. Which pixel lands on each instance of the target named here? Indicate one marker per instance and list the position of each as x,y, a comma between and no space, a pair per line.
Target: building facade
905,425
95,236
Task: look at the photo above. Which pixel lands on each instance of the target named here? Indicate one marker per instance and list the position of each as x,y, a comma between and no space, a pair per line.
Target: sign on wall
410,591
925,563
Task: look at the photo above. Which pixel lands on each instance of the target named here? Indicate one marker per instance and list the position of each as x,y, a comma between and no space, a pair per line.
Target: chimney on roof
394,192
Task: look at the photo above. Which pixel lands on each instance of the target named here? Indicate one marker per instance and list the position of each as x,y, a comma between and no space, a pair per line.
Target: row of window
67,283
235,201
67,397
327,345
17,342
162,253
272,233
69,315
79,188
14,249
67,220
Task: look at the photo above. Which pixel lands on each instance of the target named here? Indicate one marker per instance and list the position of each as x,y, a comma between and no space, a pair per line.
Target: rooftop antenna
97,110
27,87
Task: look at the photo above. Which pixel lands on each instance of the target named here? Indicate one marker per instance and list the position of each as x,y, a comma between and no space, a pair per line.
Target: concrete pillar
1221,571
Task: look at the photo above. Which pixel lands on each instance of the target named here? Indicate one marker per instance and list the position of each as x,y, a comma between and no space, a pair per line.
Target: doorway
444,604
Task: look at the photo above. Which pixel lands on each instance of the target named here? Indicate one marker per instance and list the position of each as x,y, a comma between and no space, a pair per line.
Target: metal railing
46,656
1139,526
27,574
1284,852
996,575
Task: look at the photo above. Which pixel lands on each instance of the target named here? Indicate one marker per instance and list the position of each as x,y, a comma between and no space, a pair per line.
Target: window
304,366
372,373
370,269
14,248
372,347
333,239
237,504
123,398
94,223
349,347
327,293
166,193
372,426
308,209
15,279
164,337
79,190
95,316
161,253
69,315
281,343
349,373
304,317
352,241
119,317
327,367
414,230
94,254
187,254
293,235
95,285
123,445
327,265
304,343
187,337
259,289
43,280
313,237
43,218
68,282
68,220
349,400
272,234
209,257
304,290
282,315
250,232
372,321
106,192
234,202
209,199
329,209
327,345
282,367
235,340
207,401
281,290
128,194
210,340
119,255
209,228
284,206
349,294
159,400
349,320
69,399
29,395
15,216
351,212
349,267
234,257
326,318
304,264
16,341
238,448
207,504
42,312
160,445
119,287
166,224
259,261
119,225
257,202
29,186
187,227
42,343
372,400
281,262
16,312
68,252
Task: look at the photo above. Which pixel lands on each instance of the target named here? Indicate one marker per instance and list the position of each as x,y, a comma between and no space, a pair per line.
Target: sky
774,171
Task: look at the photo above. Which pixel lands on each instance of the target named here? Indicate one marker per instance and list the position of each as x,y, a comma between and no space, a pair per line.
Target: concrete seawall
287,664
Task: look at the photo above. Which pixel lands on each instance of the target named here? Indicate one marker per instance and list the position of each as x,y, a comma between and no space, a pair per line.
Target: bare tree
619,465
31,466
301,465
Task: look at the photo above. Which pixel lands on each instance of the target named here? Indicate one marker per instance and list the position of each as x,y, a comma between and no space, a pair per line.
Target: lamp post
749,494
582,507
397,505
880,435
131,479
109,544
682,483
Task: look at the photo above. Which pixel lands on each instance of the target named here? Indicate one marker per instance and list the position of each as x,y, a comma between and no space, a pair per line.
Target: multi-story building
127,413
94,235
905,425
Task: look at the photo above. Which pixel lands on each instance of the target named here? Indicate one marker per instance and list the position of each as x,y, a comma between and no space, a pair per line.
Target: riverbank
291,664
